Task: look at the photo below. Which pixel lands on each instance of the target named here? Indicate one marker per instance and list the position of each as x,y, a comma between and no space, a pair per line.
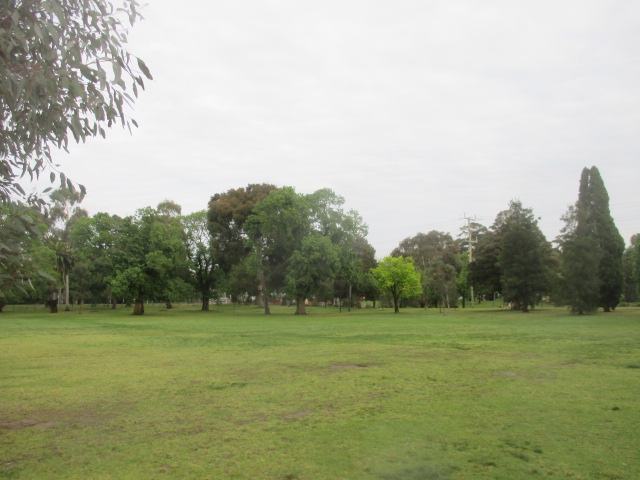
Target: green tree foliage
436,255
95,240
398,277
524,256
275,230
484,272
310,268
20,228
201,261
592,249
226,215
64,214
347,232
65,70
150,261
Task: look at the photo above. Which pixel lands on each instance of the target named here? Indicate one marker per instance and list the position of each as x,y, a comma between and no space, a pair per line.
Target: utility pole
470,240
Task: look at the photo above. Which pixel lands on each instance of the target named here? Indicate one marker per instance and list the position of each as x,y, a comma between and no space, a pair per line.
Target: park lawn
234,394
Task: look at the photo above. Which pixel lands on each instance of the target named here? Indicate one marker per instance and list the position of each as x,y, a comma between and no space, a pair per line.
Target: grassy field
234,394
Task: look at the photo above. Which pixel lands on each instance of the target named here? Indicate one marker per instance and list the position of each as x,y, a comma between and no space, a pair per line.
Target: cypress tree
592,249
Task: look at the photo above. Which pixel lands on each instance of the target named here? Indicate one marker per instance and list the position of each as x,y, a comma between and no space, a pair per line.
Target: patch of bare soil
22,424
300,414
352,366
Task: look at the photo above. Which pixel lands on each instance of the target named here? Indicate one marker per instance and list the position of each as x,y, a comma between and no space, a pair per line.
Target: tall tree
310,267
275,230
64,213
591,239
199,250
226,217
523,257
151,259
95,240
484,271
398,276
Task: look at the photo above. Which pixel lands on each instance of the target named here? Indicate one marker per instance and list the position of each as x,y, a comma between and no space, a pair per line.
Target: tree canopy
592,249
398,277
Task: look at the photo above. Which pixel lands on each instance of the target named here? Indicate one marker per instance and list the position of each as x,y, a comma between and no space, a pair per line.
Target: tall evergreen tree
592,249
523,257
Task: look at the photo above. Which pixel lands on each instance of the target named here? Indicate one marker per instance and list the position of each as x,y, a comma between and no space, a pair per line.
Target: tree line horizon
266,244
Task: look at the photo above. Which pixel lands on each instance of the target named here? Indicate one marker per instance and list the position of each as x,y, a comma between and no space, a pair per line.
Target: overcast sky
417,112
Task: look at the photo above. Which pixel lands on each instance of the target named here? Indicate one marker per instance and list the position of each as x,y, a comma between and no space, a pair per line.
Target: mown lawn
234,394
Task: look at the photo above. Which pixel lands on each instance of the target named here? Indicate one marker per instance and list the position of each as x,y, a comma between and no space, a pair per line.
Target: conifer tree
592,249
523,256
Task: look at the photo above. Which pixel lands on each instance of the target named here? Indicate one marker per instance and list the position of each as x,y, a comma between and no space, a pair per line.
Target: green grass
234,394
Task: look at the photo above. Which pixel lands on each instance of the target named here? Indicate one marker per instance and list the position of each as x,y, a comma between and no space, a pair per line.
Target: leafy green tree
523,257
21,229
65,71
484,272
64,213
437,259
311,265
226,216
150,261
398,276
346,230
201,261
590,236
95,240
275,230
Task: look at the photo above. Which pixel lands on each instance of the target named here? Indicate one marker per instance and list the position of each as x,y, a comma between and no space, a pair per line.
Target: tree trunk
350,298
205,302
138,307
66,292
262,286
113,305
2,304
300,306
396,304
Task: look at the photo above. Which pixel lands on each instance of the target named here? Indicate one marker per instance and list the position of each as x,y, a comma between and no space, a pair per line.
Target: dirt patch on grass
43,419
22,424
352,366
300,414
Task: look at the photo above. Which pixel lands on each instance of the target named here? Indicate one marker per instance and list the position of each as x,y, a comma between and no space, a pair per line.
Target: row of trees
259,241
274,244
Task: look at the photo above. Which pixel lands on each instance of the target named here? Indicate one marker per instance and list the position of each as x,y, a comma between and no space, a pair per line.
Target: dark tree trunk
113,305
300,306
2,304
262,286
53,306
138,307
205,302
396,304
